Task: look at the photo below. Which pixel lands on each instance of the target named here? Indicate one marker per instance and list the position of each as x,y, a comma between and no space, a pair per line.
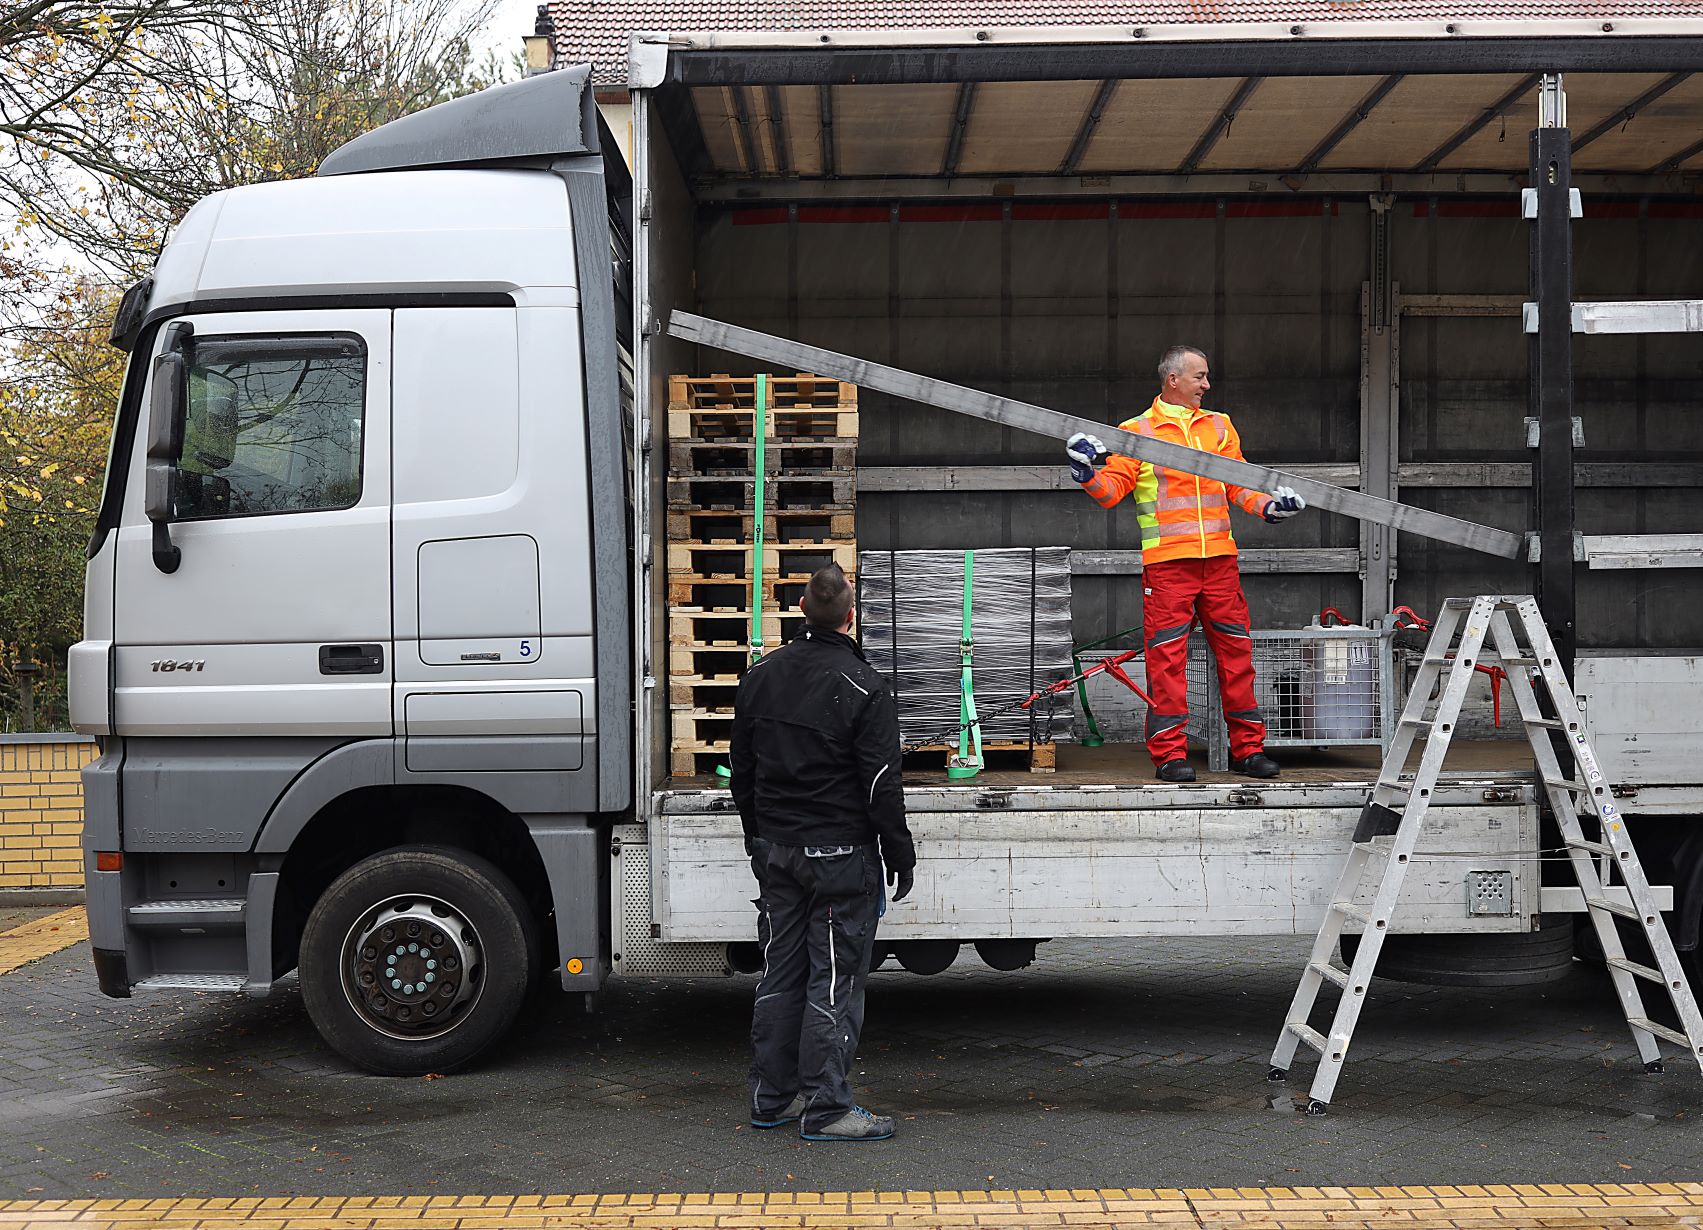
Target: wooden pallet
781,492
693,629
697,728
782,423
727,456
1039,757
783,526
686,760
719,390
702,695
788,559
779,593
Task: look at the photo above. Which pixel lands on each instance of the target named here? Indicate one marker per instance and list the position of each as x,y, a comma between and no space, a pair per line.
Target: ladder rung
1546,723
1518,661
1566,783
1357,912
1661,1031
1595,847
1637,971
1383,783
1417,721
1326,970
1308,1034
1613,907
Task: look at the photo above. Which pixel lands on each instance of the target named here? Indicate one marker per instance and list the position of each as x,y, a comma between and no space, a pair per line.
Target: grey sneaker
792,1114
856,1124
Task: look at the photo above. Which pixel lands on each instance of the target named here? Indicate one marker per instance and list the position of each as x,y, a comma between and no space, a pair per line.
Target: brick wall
41,810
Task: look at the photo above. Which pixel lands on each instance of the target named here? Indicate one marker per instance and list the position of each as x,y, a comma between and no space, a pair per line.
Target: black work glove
900,882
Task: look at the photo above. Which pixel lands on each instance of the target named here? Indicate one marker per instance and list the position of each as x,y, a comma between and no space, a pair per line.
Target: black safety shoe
1179,770
1257,765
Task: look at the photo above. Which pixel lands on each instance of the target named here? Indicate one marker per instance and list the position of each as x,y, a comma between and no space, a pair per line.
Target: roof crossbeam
1349,123
777,129
742,130
1085,131
825,110
1494,110
1631,109
960,123
1219,126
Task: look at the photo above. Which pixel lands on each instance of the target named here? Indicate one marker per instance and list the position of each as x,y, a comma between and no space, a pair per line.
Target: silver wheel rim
413,967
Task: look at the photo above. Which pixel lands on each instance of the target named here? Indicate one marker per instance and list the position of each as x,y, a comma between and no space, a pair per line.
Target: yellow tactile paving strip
1246,1208
42,938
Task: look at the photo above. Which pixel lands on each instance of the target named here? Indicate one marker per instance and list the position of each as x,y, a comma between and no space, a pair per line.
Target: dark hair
1171,362
828,598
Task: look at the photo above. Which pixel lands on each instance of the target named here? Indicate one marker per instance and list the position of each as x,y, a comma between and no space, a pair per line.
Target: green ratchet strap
760,474
964,764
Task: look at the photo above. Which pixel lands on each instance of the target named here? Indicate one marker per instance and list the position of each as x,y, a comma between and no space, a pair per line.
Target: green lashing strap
965,764
760,473
1094,738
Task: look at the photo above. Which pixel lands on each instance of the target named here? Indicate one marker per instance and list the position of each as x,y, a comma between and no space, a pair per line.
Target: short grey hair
1171,362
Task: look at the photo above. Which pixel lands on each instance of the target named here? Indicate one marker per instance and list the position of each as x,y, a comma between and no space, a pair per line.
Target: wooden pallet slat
781,526
719,390
1039,757
783,423
694,456
789,559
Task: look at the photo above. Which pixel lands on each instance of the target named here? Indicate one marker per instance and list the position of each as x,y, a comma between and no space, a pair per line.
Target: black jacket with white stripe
815,753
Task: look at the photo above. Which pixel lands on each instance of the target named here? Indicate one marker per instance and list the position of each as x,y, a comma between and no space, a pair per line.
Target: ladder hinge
1534,548
1578,432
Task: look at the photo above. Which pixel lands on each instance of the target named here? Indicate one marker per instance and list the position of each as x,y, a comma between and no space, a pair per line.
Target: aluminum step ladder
1578,796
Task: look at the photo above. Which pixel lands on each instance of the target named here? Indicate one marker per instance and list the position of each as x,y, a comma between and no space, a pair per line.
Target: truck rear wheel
417,959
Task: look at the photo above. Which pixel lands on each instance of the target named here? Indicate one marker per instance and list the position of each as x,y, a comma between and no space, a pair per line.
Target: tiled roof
597,30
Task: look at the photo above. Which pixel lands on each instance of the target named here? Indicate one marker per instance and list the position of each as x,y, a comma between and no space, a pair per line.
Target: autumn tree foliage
57,397
115,117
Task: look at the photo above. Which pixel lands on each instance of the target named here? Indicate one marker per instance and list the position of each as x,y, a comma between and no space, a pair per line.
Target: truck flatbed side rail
796,356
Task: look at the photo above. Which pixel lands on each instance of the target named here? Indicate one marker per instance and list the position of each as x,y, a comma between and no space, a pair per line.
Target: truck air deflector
795,356
547,116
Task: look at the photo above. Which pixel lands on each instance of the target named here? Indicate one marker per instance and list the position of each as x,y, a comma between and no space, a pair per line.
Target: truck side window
274,425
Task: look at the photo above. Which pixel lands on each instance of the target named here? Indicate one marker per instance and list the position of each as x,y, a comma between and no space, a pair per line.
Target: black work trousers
816,927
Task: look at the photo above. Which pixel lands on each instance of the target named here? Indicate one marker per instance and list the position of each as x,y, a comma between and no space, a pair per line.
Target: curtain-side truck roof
376,629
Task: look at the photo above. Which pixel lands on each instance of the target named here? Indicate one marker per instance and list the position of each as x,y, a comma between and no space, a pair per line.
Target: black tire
477,955
1496,959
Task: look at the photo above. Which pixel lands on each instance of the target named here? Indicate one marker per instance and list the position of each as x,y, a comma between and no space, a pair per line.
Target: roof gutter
1328,48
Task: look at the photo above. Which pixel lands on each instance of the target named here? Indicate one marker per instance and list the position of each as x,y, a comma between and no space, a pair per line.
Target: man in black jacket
815,759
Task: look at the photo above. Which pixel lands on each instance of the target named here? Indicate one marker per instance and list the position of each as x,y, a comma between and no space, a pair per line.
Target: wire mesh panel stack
1318,687
809,512
911,605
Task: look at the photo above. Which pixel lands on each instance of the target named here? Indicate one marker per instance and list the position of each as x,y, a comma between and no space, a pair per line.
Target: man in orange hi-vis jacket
1188,563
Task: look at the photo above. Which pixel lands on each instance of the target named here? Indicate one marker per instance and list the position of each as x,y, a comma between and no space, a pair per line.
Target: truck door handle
351,659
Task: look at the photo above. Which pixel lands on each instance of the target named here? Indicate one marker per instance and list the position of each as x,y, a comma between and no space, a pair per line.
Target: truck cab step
221,913
191,982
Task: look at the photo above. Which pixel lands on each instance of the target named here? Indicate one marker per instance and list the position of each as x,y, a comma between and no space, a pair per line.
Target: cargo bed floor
1126,764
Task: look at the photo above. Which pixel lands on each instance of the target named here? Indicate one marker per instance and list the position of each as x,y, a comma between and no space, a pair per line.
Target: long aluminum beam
796,356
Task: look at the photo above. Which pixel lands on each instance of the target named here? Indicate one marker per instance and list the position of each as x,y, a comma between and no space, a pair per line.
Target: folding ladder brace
1399,807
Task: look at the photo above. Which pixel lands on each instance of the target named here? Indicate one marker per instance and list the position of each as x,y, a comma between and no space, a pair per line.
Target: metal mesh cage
1318,687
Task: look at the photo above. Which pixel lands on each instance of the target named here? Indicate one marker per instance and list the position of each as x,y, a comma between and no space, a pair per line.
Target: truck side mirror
165,444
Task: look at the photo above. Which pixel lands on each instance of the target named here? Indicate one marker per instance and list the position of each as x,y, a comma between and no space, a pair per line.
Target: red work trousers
1177,592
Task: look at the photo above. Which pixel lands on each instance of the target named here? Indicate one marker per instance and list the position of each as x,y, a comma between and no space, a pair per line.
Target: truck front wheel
417,959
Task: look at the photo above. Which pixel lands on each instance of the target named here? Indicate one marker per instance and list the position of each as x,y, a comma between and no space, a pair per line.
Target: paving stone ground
1126,1063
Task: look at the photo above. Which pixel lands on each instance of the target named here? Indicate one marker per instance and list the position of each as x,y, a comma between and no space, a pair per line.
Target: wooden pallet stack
809,521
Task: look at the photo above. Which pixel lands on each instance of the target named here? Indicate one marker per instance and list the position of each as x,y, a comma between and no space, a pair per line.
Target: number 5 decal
526,649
